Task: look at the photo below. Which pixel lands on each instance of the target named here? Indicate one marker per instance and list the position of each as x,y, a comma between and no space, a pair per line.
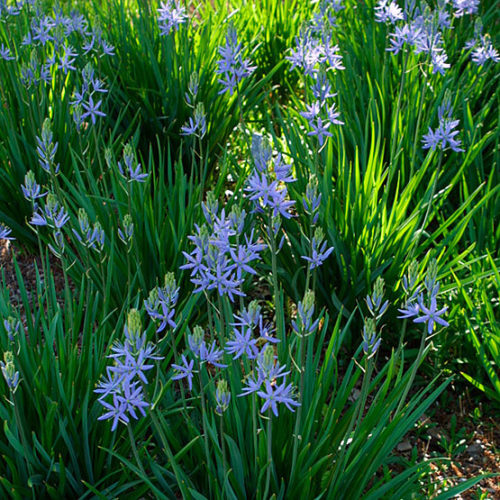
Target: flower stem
134,449
413,371
204,423
269,452
277,302
222,445
20,430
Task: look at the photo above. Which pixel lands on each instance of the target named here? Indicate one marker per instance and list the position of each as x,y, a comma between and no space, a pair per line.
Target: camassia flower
170,16
232,67
5,232
388,12
161,302
221,255
445,135
484,51
126,378
91,237
425,310
274,394
53,215
222,397
264,382
319,250
184,371
9,372
131,169
46,149
430,315
267,184
31,189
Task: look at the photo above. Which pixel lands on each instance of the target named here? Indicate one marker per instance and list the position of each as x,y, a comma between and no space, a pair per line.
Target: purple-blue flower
242,343
445,135
116,411
274,394
91,109
211,355
53,214
388,12
184,371
232,67
46,149
319,253
304,324
5,53
161,302
484,51
463,7
370,341
5,232
131,170
170,16
132,397
431,315
222,397
126,378
31,190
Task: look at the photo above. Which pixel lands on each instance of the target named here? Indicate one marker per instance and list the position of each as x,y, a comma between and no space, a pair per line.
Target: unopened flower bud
134,323
222,396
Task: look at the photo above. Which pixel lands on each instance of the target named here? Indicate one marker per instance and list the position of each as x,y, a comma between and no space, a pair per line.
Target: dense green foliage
389,208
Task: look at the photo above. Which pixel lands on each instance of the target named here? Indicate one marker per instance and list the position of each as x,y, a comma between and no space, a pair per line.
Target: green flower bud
134,323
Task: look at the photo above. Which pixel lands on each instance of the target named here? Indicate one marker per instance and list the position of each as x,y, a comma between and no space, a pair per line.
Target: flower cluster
386,11
304,324
267,184
463,7
32,191
161,302
314,50
371,342
320,114
11,326
220,258
126,378
196,126
249,332
90,237
170,16
374,301
53,37
131,168
205,352
84,105
482,50
222,397
445,135
420,30
5,232
312,199
319,250
232,66
268,381
243,340
9,372
126,232
422,307
53,47
55,216
46,149
316,54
